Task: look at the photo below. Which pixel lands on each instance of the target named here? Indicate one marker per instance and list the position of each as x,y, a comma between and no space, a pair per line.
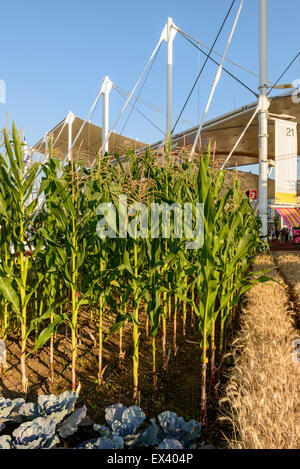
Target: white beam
170,35
105,90
264,104
69,120
46,140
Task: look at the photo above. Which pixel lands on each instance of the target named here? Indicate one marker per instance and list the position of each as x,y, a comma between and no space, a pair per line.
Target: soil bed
179,389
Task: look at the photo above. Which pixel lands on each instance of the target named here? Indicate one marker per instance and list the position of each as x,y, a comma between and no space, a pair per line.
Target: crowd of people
284,234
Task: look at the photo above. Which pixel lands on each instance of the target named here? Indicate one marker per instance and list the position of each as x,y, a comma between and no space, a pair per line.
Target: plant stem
212,358
23,268
135,333
121,354
221,343
164,333
51,350
147,326
203,389
192,309
175,326
5,313
100,362
121,345
154,365
204,365
74,306
184,318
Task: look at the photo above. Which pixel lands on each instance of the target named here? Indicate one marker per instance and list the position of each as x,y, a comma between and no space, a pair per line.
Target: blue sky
54,55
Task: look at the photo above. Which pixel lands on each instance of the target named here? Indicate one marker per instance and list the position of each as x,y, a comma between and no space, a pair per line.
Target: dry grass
263,390
289,264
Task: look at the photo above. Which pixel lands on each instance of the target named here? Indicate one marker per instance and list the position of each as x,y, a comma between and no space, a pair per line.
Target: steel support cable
142,114
83,125
42,199
232,62
47,135
217,63
92,114
142,101
203,66
131,94
284,72
150,105
44,140
60,132
217,78
241,136
41,143
37,149
141,89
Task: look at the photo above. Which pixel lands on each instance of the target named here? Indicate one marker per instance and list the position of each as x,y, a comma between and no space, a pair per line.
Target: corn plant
14,278
54,264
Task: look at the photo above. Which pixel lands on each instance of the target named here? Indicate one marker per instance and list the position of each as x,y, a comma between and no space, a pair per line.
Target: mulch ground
283,246
179,389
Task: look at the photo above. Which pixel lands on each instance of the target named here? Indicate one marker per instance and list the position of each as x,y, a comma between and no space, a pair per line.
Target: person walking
286,235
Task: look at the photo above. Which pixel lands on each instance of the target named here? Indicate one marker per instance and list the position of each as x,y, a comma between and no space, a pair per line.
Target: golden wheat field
264,387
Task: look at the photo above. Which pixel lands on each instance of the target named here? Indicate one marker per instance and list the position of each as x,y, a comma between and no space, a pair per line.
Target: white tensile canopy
88,143
224,131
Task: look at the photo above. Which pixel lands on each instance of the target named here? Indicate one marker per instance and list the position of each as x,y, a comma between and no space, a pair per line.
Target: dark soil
179,389
278,246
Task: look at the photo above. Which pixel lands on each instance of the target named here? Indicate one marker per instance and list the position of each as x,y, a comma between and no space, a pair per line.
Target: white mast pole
70,120
69,141
263,116
170,35
106,87
46,140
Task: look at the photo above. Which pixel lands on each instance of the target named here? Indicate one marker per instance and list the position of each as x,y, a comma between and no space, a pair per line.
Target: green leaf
13,166
9,294
3,206
60,217
47,332
30,179
65,196
126,262
17,147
